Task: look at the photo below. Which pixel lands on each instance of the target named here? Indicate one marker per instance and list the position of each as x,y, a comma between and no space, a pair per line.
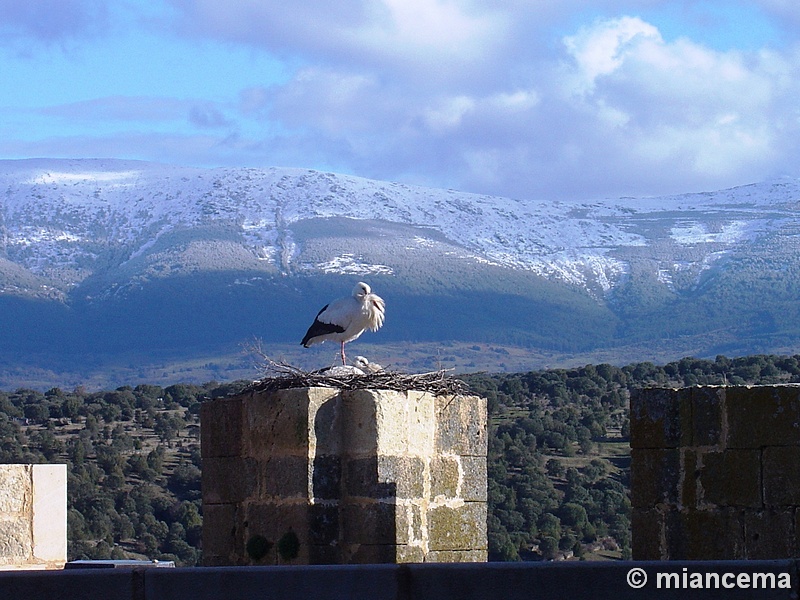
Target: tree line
558,456
133,464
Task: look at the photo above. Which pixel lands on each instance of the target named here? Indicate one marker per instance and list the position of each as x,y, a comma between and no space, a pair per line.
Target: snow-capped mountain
138,249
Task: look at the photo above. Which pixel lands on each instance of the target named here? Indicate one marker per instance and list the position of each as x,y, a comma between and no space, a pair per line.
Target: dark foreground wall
715,473
509,581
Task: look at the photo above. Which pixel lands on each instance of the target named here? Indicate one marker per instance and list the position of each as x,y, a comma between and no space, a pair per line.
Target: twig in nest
280,375
287,376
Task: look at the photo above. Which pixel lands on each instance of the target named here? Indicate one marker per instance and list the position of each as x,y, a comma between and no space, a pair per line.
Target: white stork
345,319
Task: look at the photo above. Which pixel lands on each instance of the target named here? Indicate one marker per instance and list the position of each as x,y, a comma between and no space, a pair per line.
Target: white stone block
50,513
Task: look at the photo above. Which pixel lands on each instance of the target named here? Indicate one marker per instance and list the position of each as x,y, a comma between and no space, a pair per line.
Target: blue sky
523,98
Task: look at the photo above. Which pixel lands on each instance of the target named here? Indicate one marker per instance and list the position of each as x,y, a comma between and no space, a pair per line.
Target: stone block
277,423
420,423
461,425
704,535
226,436
227,480
730,478
689,477
763,416
408,520
661,418
326,477
298,421
385,477
474,479
647,539
16,542
324,524
325,555
412,554
769,534
456,556
325,417
281,476
273,521
708,412
222,537
781,476
388,423
373,522
655,477
454,528
360,428
370,553
402,475
445,476
16,488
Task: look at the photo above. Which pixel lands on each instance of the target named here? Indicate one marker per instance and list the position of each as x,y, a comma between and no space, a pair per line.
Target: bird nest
282,376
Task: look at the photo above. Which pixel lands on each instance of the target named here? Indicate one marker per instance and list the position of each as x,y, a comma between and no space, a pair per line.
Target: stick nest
282,376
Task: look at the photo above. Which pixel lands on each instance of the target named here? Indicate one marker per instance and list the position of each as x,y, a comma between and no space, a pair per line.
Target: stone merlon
324,476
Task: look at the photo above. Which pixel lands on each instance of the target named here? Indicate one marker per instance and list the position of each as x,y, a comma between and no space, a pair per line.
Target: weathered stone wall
715,473
33,516
324,476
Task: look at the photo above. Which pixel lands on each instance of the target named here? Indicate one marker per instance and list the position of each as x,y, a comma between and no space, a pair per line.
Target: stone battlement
715,473
325,476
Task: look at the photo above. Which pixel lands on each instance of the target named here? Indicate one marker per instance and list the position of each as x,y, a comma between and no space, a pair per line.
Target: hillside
108,268
558,456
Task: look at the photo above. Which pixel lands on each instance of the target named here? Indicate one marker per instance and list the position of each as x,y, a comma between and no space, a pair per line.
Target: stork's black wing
319,328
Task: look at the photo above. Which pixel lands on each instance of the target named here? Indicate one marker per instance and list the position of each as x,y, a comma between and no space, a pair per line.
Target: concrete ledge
475,581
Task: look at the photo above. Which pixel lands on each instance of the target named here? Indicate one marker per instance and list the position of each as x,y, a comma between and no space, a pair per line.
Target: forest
558,456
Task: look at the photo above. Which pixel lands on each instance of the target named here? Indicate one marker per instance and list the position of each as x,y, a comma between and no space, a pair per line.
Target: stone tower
321,475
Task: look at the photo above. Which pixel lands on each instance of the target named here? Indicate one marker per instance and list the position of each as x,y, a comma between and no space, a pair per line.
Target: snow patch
693,232
56,177
348,264
41,235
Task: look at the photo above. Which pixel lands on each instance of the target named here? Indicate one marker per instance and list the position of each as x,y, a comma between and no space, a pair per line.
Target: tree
554,468
548,547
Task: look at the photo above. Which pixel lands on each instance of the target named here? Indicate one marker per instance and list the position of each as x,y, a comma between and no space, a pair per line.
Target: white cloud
425,37
716,115
511,97
603,47
432,25
449,113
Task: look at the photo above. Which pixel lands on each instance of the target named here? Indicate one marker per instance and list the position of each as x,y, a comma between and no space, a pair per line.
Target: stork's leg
344,360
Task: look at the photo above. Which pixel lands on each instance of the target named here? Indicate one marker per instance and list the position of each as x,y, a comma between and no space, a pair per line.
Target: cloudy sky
525,98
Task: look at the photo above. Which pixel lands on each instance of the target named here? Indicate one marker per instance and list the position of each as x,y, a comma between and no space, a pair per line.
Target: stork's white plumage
345,319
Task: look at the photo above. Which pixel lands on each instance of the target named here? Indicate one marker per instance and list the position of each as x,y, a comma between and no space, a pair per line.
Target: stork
344,319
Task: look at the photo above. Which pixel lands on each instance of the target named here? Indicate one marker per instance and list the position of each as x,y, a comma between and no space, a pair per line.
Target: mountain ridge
170,258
